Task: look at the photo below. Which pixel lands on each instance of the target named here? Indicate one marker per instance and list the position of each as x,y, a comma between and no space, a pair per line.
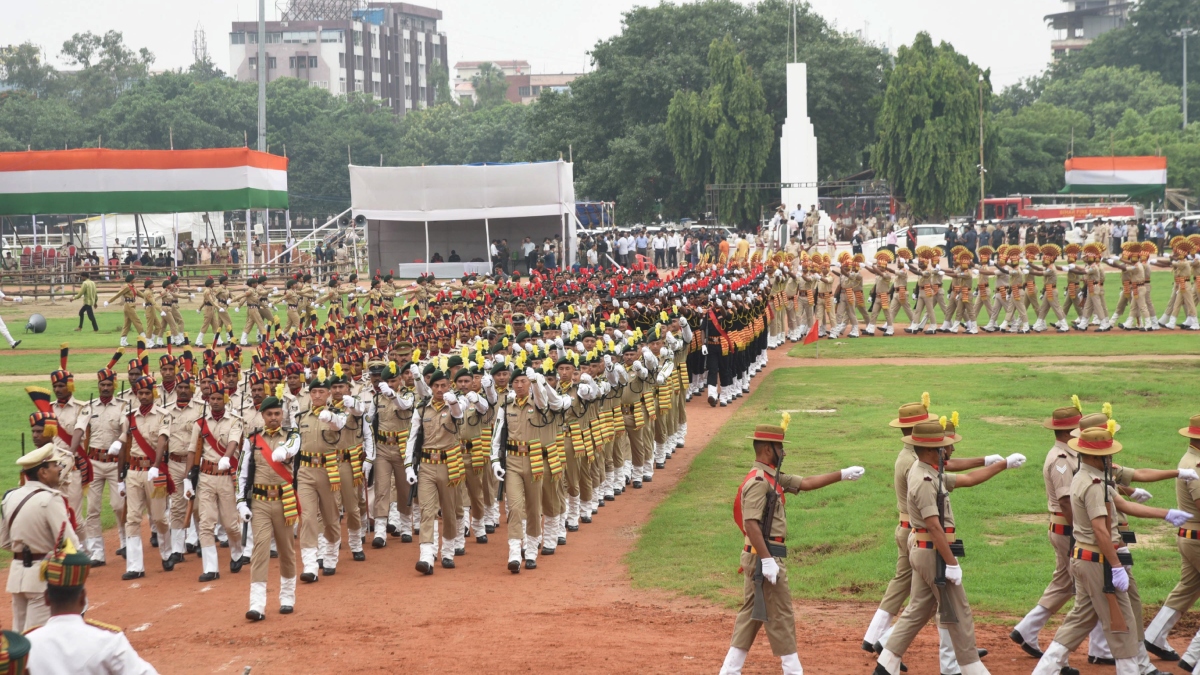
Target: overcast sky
553,35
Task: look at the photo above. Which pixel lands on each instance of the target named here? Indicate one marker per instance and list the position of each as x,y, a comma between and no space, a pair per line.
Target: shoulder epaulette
103,626
1097,480
928,479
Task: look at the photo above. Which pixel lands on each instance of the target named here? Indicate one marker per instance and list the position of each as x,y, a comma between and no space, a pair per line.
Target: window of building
341,85
253,63
375,64
358,62
292,62
312,62
333,36
237,38
274,38
358,85
271,63
537,89
299,36
523,92
408,91
422,97
341,60
357,38
421,47
252,38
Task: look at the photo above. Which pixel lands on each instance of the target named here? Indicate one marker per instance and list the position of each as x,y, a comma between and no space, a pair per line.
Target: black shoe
562,541
191,548
274,554
547,551
329,571
285,609
98,563
308,577
177,557
1101,661
660,465
572,528
1068,670
235,566
378,542
880,670
585,519
358,556
224,543
130,576
153,540
531,564
1164,654
481,540
489,528
320,562
610,498
169,565
867,647
406,539
424,567
1029,649
255,615
647,479
514,566
600,504
16,344
121,551
637,485
391,529
982,652
903,668
448,563
1185,666
209,576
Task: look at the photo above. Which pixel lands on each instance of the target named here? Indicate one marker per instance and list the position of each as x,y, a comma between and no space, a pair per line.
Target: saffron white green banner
141,181
1133,176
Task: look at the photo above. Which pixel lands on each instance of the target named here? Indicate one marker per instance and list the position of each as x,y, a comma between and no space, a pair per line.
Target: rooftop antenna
199,44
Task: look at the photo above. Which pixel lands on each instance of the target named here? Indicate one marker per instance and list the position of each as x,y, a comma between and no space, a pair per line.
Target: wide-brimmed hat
1096,441
1094,421
931,434
912,413
1064,419
1192,430
768,433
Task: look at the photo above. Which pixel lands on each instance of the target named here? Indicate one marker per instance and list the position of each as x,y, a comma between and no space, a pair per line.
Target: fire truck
1075,207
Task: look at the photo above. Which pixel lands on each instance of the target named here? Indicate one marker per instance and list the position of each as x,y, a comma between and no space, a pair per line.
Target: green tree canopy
23,67
491,87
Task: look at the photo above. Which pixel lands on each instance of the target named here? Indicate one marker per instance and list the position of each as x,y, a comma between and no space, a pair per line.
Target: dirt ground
576,613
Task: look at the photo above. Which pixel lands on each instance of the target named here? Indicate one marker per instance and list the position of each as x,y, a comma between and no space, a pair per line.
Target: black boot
130,576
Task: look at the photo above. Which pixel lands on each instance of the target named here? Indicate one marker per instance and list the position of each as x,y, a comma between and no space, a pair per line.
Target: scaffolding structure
322,10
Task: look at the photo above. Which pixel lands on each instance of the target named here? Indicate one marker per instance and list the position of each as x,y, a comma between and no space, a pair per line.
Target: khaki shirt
166,399
1188,491
922,495
904,462
106,422
523,421
68,414
183,422
150,425
754,498
316,437
439,427
226,430
37,526
1087,502
1057,472
262,473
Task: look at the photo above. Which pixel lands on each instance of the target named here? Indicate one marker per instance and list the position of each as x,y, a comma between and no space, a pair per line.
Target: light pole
1184,33
982,171
262,122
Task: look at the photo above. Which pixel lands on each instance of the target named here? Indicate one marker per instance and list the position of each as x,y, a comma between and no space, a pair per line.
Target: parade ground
654,579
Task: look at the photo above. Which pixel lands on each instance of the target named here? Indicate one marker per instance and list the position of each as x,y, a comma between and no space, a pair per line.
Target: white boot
243,341
166,545
946,656
734,660
1127,667
1053,660
124,341
287,592
879,623
380,535
514,551
199,340
208,554
891,662
308,561
133,555
532,547
447,549
791,664
1160,628
177,540
258,597
428,554
1032,624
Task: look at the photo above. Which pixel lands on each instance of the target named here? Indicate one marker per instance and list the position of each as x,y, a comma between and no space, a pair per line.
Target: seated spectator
454,257
437,257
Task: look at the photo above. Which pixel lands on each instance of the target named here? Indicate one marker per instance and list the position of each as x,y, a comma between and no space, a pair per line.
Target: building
388,50
523,85
1083,21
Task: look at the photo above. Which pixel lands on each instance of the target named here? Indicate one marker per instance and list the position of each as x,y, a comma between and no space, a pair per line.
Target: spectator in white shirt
659,244
673,243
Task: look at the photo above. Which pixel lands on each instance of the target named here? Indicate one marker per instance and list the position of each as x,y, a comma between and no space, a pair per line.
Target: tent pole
33,219
487,245
427,246
175,232
104,236
246,254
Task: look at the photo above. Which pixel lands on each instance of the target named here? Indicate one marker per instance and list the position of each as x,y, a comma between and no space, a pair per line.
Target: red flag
812,334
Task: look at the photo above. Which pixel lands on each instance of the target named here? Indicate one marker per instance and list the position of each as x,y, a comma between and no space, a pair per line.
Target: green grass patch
840,539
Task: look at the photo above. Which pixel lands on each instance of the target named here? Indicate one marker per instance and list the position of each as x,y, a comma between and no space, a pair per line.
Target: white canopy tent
413,212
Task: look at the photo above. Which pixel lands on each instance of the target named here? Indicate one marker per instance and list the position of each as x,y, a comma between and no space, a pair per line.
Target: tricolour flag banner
141,181
1133,176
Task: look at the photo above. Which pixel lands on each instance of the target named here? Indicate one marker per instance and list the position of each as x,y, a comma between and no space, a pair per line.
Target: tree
491,87
440,75
24,68
1105,93
723,134
1034,142
108,67
928,147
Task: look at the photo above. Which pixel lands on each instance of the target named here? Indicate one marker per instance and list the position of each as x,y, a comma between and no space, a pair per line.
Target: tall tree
723,134
439,73
24,68
491,87
928,147
108,67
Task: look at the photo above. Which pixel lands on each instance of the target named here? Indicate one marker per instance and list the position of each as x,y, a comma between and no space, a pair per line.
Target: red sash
737,501
725,341
212,443
150,453
264,450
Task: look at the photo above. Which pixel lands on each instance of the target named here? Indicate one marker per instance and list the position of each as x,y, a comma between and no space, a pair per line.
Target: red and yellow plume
63,350
112,363
41,398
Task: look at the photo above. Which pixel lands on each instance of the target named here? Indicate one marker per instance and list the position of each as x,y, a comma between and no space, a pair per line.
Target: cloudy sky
553,35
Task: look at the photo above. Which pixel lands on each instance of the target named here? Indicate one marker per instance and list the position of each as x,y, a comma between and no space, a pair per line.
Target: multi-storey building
1083,21
523,85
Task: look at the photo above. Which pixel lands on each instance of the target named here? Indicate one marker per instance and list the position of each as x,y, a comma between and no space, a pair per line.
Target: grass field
840,540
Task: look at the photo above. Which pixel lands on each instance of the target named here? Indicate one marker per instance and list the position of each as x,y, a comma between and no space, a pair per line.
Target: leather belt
210,468
1189,534
140,463
1088,554
269,493
100,455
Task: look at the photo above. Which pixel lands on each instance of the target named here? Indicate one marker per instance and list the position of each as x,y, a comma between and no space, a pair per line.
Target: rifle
418,448
1116,618
123,459
194,473
759,612
502,414
945,609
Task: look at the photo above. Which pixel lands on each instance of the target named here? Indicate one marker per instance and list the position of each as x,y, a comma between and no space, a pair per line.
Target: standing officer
320,430
214,445
759,510
434,434
33,518
147,481
184,413
106,426
129,294
391,420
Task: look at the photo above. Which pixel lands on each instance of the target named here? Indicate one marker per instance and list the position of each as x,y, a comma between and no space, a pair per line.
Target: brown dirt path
577,613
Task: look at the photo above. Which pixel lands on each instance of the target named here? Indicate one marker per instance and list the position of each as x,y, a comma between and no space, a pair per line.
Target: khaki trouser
901,583
139,502
574,468
1062,584
522,494
621,450
29,610
781,623
293,320
254,320
267,519
131,319
1185,593
389,481
640,445
1091,604
71,484
899,302
1050,302
318,507
223,317
178,471
554,494
216,502
209,321
476,480
174,314
170,323
102,473
1183,297
926,600
347,497
435,492
151,321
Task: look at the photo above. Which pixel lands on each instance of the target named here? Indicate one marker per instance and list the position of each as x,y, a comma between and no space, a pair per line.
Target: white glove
279,454
530,373
410,475
162,313
1188,474
152,473
541,343
770,569
472,398
244,511
954,574
367,466
1141,496
517,347
449,398
223,464
661,379
1120,578
1177,517
607,360
992,459
416,372
121,488
704,349
853,473
188,490
197,309
325,416
579,346
19,298
349,402
558,342
664,353
221,310
586,378
486,381
106,305
1015,460
498,470
114,449
385,389
646,353
237,310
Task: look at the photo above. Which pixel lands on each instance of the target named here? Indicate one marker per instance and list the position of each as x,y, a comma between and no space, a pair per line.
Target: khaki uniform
208,310
319,472
70,481
1057,472
1185,593
391,439
350,477
476,452
251,299
216,500
151,308
106,423
42,516
781,623
142,496
130,295
179,444
169,305
271,494
525,470
1050,295
898,588
223,297
442,469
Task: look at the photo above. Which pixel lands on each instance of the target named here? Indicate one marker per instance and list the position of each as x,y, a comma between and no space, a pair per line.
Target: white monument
798,143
